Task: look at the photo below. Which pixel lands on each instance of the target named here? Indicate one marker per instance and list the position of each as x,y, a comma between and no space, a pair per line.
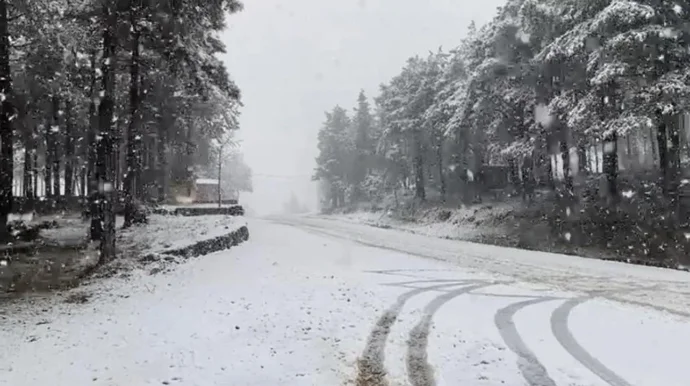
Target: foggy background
293,61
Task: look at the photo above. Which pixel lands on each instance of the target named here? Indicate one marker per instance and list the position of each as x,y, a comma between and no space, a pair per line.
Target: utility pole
220,165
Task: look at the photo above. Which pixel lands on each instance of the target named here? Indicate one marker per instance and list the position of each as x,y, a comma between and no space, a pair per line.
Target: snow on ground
653,287
71,230
312,304
165,232
26,217
477,222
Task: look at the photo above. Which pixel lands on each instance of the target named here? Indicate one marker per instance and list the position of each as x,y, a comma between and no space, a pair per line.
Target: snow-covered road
308,301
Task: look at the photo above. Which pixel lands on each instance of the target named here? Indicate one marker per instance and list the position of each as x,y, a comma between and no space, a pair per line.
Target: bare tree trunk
6,130
48,159
55,157
514,175
84,181
189,155
34,159
565,159
582,158
609,105
662,142
29,189
133,136
168,116
420,191
105,149
92,130
528,179
92,156
441,175
610,166
117,148
143,151
162,162
674,163
69,150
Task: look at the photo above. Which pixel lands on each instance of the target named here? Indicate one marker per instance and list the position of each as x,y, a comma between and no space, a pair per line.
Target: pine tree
362,125
335,149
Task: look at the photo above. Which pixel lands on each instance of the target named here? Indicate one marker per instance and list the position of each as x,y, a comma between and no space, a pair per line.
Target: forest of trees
110,98
547,94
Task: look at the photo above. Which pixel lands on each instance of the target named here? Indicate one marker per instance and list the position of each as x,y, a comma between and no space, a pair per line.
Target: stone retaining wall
235,210
216,244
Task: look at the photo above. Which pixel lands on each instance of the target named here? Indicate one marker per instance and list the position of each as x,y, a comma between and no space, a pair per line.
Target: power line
285,177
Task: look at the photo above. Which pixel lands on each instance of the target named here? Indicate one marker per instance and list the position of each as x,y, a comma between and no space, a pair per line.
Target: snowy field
319,302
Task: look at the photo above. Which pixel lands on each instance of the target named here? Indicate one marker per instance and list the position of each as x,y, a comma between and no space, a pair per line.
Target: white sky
293,60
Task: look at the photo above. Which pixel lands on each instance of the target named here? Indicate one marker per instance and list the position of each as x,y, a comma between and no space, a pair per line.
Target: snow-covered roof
206,181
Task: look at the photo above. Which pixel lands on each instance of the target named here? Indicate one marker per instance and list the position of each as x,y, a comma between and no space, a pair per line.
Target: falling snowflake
567,236
628,194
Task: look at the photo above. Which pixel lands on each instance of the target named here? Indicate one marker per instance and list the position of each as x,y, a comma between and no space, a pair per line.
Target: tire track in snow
419,371
413,282
559,327
531,368
411,273
371,367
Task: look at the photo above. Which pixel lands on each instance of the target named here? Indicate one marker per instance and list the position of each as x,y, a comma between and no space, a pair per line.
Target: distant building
205,190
